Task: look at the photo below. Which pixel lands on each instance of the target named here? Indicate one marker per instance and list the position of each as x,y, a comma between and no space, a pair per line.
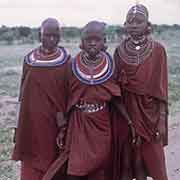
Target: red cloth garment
29,172
42,96
120,132
91,132
144,87
89,139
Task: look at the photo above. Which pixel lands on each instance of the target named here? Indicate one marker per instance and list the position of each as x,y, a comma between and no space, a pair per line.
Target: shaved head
94,28
93,38
50,23
50,33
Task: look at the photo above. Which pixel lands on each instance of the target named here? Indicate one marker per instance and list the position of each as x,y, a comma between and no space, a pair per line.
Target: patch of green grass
7,172
7,167
5,144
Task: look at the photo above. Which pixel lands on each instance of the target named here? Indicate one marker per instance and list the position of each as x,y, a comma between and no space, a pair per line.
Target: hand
137,141
60,139
158,136
161,132
133,134
162,124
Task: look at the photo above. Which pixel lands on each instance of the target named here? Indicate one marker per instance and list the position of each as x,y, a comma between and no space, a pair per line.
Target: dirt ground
173,148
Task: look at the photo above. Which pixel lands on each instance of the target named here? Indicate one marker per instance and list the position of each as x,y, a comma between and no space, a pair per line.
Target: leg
126,162
139,167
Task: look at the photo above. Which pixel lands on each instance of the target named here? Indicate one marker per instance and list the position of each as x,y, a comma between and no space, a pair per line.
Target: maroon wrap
88,141
144,87
42,95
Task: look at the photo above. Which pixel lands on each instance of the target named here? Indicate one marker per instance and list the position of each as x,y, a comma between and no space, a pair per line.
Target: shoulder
27,56
65,51
160,53
159,46
119,50
30,52
117,56
69,66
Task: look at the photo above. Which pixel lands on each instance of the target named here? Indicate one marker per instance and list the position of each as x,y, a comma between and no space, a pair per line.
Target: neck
46,51
91,60
138,39
92,57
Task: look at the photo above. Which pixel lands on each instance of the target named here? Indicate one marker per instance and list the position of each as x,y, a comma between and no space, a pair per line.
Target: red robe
42,96
144,87
88,142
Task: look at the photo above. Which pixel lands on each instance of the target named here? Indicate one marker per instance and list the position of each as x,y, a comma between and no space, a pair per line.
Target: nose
92,42
51,38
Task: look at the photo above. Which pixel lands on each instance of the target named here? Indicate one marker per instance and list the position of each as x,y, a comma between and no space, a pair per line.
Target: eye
87,39
51,35
93,38
98,39
140,20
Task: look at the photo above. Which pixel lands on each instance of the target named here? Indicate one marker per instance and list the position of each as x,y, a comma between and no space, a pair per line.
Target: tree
24,31
7,36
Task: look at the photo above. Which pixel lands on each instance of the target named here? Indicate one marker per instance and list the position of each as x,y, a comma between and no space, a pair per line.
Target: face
93,44
136,24
50,36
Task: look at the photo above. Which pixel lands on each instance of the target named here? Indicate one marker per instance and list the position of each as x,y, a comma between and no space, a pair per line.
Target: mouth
134,32
93,51
93,48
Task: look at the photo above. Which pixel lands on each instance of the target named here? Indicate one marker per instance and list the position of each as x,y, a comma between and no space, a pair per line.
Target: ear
39,36
81,46
124,29
149,29
60,35
105,40
104,48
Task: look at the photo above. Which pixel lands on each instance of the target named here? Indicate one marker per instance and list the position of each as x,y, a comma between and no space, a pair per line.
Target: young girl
92,88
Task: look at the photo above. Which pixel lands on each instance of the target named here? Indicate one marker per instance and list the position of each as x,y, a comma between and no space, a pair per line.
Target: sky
79,12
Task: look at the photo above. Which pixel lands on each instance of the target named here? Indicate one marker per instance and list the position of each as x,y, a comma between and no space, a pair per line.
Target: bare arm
162,125
121,108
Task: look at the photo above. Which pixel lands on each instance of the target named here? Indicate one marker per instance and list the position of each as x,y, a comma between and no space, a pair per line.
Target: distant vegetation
24,35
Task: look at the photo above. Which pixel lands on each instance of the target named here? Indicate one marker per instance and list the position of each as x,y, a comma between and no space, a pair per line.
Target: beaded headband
139,8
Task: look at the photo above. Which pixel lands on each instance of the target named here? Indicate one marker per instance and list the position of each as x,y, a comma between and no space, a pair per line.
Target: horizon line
120,25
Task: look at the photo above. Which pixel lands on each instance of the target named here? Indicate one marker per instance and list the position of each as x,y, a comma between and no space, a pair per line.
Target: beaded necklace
94,71
37,58
135,52
85,59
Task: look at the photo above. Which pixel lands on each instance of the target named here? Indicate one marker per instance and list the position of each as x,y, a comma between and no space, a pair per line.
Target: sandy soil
173,149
